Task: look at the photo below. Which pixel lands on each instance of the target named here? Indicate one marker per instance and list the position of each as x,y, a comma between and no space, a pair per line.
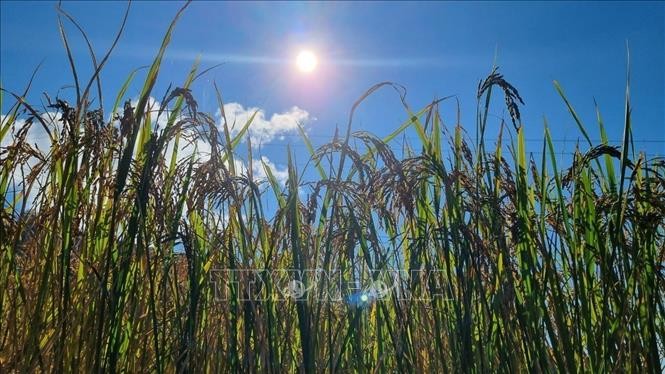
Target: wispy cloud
228,57
359,61
388,62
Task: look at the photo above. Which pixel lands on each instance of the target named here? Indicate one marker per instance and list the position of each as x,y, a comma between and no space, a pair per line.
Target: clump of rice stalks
125,247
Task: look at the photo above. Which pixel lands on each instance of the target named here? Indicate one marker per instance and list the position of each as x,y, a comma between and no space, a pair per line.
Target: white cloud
37,138
37,135
260,173
262,129
186,150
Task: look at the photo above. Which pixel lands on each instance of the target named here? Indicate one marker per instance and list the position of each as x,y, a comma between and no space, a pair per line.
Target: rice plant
114,241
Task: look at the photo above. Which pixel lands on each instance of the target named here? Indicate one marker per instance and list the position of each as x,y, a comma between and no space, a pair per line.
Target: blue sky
434,49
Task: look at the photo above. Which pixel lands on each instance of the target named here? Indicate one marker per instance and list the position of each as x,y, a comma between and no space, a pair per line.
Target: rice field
119,253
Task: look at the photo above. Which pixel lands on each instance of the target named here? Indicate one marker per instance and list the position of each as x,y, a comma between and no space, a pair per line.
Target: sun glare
306,61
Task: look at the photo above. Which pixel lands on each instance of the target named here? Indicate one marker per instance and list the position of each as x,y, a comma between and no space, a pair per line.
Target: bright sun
306,61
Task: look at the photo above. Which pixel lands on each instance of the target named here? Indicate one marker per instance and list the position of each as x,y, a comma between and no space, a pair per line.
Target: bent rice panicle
112,234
